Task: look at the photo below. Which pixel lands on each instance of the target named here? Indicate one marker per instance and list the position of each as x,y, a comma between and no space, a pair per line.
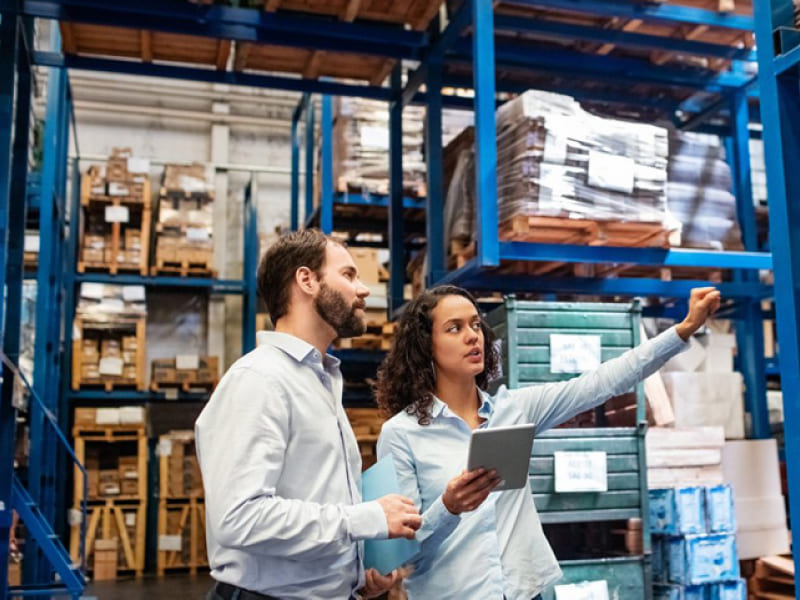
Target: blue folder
384,555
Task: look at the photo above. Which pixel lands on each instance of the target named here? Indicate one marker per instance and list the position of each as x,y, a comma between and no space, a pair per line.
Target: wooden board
190,526
417,14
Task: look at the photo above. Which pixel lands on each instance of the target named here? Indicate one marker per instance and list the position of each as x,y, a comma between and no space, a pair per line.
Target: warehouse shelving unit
464,52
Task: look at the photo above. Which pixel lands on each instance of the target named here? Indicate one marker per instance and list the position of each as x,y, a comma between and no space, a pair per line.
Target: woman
476,545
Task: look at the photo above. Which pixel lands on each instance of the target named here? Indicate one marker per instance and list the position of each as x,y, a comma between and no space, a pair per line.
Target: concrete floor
175,586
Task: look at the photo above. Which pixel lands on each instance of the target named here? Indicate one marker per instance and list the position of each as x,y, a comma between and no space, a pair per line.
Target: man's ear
307,280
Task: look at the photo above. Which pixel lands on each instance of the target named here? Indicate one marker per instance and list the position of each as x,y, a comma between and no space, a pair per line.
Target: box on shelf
106,558
677,511
706,558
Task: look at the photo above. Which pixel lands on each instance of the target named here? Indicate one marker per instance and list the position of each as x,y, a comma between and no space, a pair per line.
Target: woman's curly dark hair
406,380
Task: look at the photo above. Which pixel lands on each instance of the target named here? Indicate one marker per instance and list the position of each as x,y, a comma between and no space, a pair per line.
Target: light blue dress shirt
500,548
282,476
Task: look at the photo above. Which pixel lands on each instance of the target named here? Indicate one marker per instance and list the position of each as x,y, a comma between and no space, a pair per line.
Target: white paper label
611,172
581,472
187,361
169,543
117,214
197,234
93,291
375,137
164,448
587,590
31,243
74,517
574,353
171,393
130,519
138,165
133,293
111,365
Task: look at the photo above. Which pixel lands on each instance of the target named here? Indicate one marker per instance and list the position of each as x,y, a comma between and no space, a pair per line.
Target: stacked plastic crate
694,546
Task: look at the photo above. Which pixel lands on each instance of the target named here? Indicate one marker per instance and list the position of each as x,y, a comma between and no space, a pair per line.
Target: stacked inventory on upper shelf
184,222
115,203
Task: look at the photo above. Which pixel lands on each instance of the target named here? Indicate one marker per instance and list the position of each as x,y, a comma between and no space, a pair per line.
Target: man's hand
467,491
703,303
401,515
378,584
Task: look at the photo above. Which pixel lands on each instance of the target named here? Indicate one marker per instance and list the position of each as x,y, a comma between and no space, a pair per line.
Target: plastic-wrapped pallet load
361,146
699,191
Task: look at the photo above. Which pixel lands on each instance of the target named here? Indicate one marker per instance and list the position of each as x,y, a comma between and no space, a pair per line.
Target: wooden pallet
112,268
560,230
179,193
417,14
184,386
418,190
190,526
183,269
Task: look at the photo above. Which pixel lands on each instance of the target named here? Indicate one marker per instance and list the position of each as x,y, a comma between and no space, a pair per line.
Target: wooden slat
147,45
382,73
223,52
68,43
351,10
271,5
311,70
631,25
242,54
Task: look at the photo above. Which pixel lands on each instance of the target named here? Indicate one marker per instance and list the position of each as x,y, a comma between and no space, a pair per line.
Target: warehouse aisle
186,587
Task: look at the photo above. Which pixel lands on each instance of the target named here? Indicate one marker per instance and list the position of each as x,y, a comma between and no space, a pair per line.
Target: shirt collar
485,410
298,349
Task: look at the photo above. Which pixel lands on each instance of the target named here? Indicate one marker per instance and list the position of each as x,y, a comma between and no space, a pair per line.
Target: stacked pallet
111,443
116,213
366,423
699,192
184,223
361,148
690,456
694,547
773,578
187,372
109,337
181,510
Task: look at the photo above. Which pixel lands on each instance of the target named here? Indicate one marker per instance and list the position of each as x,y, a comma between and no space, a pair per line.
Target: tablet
505,449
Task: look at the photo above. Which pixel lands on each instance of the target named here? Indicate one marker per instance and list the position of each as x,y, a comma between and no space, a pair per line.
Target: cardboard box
90,255
109,488
106,557
85,416
130,343
367,263
129,487
90,371
14,573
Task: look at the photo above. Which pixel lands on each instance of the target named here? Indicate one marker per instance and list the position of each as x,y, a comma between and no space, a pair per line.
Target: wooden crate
121,247
379,336
165,375
179,470
124,521
85,330
181,536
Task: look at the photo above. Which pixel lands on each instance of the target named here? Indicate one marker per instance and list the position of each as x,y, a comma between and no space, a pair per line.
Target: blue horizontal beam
673,257
554,30
379,200
605,68
651,11
787,61
218,286
240,24
53,59
471,276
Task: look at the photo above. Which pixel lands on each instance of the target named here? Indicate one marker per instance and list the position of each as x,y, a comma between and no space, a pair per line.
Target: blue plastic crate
659,558
697,559
729,590
666,591
677,511
720,514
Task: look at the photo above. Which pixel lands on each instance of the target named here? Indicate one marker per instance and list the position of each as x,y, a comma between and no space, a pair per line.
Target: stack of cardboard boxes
182,472
185,370
115,359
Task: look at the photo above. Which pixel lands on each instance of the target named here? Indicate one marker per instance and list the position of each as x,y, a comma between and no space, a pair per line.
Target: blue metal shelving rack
468,41
778,36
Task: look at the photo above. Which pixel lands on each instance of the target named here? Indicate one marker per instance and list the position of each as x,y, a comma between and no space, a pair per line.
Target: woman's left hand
377,584
703,303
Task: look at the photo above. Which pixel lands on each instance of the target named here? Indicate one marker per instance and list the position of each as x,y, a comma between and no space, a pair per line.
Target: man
280,464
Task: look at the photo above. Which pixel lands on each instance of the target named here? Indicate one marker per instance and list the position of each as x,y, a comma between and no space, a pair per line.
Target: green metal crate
524,328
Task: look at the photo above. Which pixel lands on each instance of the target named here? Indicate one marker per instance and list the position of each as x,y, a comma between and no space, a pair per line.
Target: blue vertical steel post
488,250
326,166
749,329
9,33
249,266
780,115
294,222
309,159
397,272
433,157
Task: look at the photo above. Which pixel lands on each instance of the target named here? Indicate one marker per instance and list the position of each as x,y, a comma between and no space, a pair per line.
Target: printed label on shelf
611,172
138,165
164,448
587,590
574,353
581,472
133,293
197,234
111,365
169,543
31,242
117,214
187,361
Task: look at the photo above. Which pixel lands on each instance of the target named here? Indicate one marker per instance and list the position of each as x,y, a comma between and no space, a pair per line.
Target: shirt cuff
366,521
438,517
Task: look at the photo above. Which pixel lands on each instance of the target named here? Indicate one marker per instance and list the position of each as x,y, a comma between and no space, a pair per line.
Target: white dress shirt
282,476
498,550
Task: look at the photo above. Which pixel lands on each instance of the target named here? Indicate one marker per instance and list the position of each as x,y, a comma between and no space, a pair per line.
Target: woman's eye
476,326
452,328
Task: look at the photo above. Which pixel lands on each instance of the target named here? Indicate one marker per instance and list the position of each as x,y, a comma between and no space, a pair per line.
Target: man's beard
335,311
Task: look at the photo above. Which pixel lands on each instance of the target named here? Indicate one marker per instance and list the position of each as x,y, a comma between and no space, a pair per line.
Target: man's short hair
305,248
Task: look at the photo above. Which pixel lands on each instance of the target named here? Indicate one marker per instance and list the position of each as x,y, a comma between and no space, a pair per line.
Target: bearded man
281,466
